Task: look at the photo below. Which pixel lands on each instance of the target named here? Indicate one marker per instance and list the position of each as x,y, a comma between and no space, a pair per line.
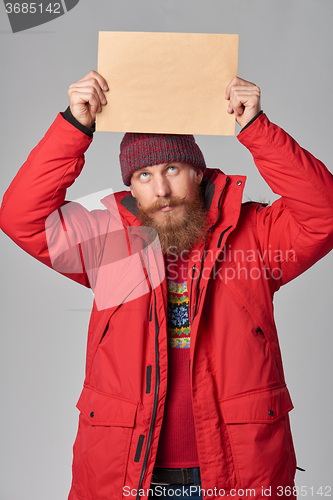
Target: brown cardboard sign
171,83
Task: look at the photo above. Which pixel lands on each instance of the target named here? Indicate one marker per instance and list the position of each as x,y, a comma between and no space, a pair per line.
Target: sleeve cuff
70,118
251,121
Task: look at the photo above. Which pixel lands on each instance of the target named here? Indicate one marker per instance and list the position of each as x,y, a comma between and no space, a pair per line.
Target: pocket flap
103,409
263,406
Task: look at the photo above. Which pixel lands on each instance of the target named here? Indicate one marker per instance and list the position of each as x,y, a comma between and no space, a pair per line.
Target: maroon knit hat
144,150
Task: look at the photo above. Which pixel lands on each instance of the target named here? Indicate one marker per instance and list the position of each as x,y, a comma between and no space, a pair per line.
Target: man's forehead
164,165
160,165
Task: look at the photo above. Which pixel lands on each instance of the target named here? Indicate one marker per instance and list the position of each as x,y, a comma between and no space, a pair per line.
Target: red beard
177,234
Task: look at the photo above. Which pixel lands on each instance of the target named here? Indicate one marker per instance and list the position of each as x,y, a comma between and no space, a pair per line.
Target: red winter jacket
240,399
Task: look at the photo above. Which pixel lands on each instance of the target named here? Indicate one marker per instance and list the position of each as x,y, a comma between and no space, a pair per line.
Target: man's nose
162,186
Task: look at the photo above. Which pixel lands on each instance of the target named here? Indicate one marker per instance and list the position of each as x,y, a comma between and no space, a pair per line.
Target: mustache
168,201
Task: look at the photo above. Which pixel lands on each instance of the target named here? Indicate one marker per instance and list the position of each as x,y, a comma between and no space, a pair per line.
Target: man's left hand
244,100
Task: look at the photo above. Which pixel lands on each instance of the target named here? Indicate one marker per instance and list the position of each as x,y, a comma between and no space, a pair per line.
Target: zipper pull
191,288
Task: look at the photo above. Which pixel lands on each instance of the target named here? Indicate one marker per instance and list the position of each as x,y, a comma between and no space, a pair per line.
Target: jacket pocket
106,410
102,445
258,427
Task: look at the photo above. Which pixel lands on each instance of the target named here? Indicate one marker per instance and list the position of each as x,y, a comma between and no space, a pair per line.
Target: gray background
286,48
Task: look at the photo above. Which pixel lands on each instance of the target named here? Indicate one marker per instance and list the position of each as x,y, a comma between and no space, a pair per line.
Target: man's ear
198,176
132,191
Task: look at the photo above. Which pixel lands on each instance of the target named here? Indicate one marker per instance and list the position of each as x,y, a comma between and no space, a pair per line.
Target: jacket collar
222,194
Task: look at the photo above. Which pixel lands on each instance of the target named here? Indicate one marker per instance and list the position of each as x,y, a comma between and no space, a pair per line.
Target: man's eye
172,168
144,175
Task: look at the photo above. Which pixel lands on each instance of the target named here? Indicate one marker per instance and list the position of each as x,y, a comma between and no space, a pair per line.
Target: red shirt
177,445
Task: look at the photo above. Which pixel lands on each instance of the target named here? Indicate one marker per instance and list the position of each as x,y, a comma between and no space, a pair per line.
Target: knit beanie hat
144,150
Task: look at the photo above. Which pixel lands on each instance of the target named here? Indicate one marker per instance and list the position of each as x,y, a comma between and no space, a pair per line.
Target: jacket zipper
157,384
157,370
219,204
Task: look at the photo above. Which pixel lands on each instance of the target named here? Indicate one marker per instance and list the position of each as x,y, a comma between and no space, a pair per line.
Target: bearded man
184,382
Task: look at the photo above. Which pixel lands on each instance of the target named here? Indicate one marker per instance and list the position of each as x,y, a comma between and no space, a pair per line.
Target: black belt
173,476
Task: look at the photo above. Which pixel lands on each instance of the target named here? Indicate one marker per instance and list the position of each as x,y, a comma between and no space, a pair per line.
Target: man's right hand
86,98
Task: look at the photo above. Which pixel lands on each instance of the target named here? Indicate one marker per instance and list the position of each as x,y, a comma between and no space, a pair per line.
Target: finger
88,86
91,100
237,82
86,95
85,98
228,89
96,76
242,96
239,105
248,89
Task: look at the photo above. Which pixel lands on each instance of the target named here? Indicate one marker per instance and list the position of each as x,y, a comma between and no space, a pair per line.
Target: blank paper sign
171,83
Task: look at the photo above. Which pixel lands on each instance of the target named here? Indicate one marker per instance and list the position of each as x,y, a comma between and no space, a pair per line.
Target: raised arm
296,230
33,200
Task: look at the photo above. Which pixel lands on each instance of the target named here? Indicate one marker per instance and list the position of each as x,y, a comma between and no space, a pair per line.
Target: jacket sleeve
34,213
297,229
